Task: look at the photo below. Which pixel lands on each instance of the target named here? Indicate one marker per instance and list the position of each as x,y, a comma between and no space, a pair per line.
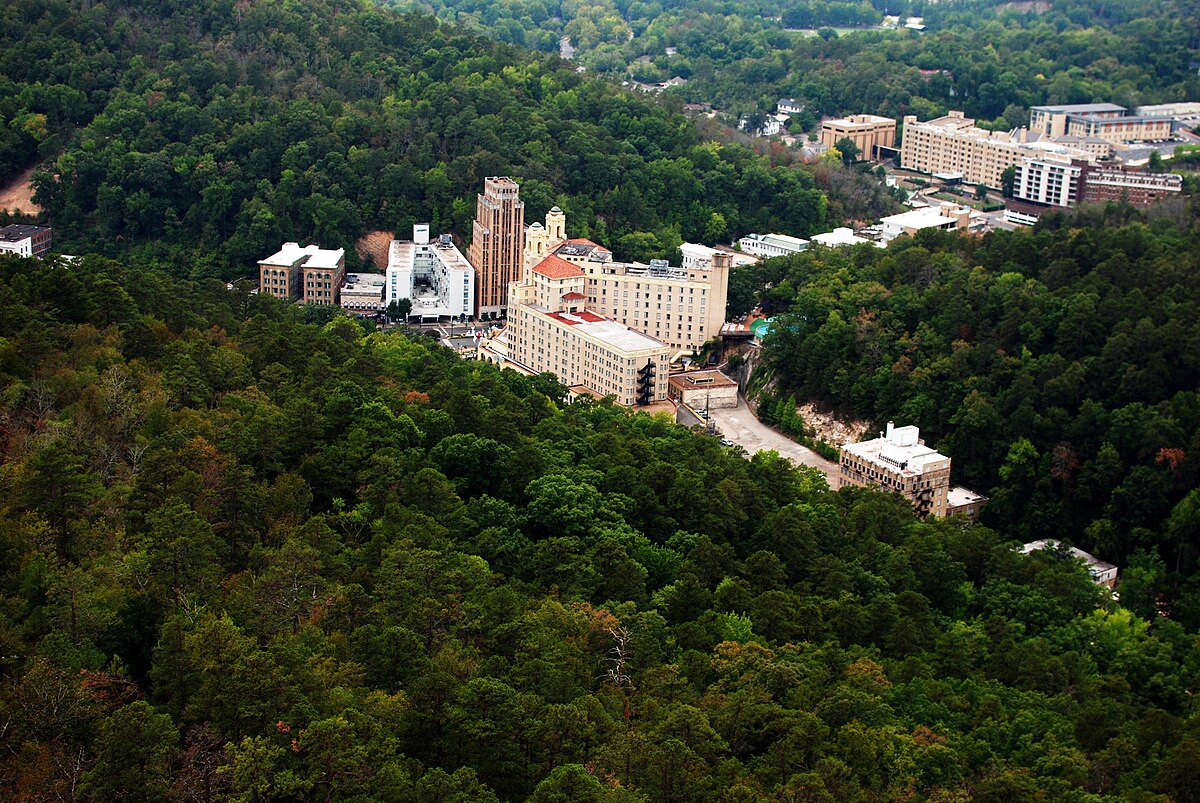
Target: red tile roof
584,241
573,295
553,267
583,316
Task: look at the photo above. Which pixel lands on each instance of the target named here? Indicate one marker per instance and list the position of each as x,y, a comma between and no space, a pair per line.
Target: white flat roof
619,336
839,236
288,254
905,459
918,219
958,495
324,258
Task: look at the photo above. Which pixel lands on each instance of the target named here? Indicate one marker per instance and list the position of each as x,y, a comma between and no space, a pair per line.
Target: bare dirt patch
375,244
834,431
18,195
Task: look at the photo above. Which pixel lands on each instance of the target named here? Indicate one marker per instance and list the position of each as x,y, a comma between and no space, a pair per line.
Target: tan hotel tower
497,244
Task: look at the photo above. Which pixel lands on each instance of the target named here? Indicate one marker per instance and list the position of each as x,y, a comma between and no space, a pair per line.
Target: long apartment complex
868,132
954,146
497,244
551,329
433,275
683,307
899,461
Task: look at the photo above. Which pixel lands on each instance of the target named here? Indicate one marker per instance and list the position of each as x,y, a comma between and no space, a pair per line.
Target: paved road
740,426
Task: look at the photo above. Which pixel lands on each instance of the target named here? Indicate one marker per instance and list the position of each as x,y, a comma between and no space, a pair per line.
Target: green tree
137,747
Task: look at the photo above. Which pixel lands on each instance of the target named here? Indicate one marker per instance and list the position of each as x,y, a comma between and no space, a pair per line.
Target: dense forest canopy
246,557
991,58
1059,368
199,136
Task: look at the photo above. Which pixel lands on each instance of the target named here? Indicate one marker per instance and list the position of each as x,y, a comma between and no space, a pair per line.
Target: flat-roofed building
900,462
954,145
703,390
279,274
323,273
1095,147
962,501
868,132
363,293
1043,185
1102,572
497,244
1100,184
682,307
944,216
1106,121
772,245
26,240
839,238
1051,121
550,329
432,274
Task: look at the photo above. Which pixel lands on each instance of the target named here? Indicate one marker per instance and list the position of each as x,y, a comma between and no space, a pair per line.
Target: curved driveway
741,426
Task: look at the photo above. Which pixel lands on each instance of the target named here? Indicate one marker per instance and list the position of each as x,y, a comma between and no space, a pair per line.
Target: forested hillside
989,57
1059,368
197,136
245,557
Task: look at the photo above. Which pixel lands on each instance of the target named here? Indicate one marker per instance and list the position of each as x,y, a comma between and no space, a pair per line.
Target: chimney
890,427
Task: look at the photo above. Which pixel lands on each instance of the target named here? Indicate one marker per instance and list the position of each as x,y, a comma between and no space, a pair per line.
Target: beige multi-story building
363,293
899,461
550,329
868,132
497,244
323,273
954,147
1107,121
309,274
683,307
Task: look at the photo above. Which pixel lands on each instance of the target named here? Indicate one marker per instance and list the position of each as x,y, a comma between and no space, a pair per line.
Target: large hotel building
683,307
497,244
550,329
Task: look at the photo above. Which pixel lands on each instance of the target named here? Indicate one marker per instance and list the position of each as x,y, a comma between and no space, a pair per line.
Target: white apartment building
899,461
772,245
550,329
1054,182
435,276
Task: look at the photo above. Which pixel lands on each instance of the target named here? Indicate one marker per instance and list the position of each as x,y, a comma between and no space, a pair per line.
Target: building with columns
497,244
